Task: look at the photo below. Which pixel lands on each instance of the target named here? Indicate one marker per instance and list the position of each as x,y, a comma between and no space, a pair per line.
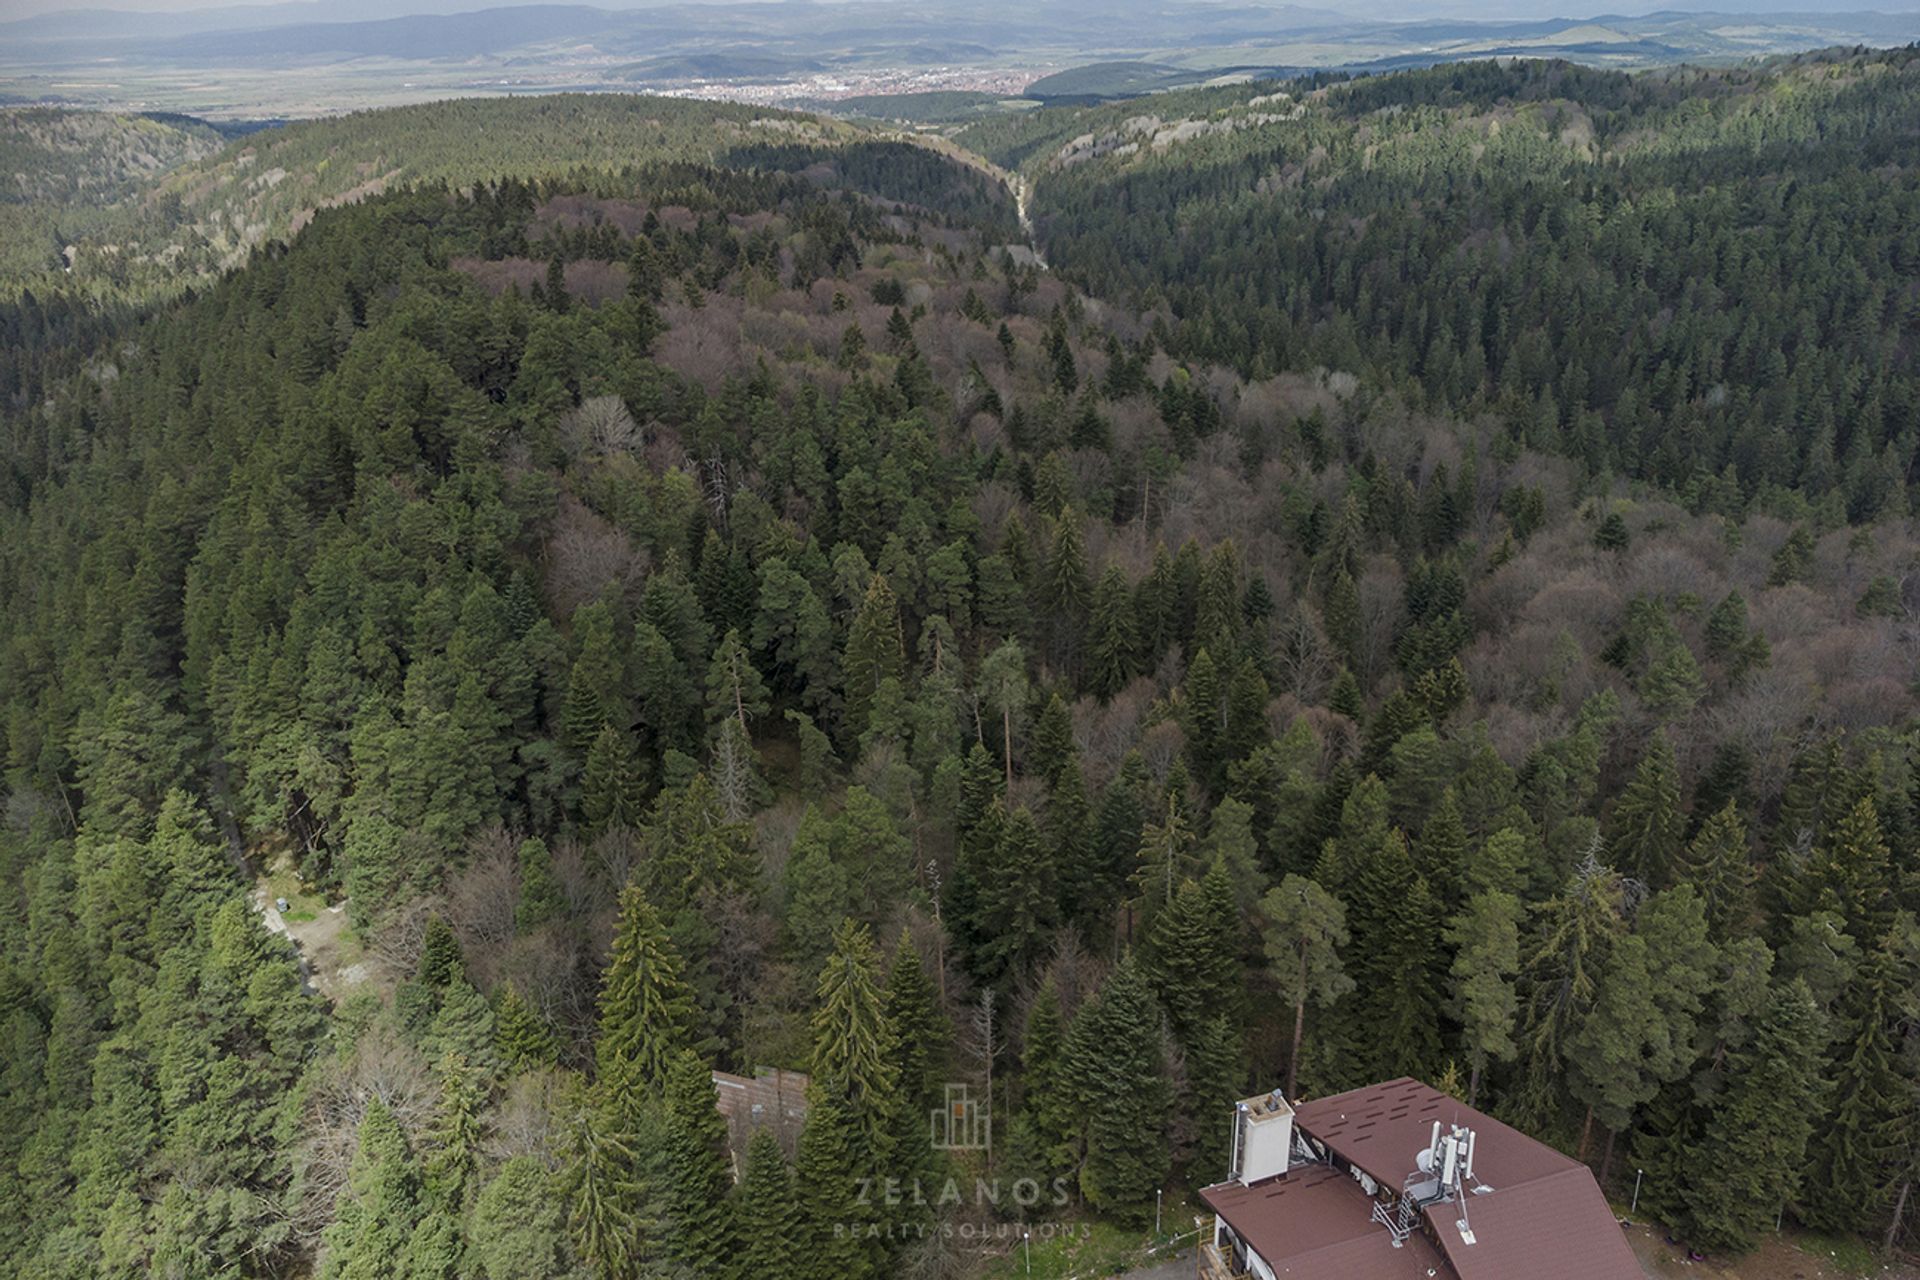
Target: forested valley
1421,583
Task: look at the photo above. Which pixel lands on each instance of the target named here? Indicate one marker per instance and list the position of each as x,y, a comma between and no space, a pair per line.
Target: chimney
1262,1138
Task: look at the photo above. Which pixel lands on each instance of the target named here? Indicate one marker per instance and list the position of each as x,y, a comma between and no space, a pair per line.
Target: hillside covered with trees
723,612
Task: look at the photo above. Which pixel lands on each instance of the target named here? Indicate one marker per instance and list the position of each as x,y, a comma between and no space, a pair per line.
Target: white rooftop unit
1262,1138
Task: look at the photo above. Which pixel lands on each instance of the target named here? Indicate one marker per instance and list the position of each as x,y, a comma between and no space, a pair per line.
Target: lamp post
1156,1211
1026,1238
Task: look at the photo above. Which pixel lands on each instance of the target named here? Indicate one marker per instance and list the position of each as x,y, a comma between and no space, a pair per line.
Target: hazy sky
338,10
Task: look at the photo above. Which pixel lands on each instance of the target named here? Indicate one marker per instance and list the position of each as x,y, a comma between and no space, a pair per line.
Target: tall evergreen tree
1486,942
767,1208
1648,826
700,1234
646,1007
1750,1159
1306,928
1716,865
1193,955
1396,963
1115,1067
1857,1157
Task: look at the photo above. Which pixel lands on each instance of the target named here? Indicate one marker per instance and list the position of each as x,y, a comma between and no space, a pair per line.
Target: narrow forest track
1016,185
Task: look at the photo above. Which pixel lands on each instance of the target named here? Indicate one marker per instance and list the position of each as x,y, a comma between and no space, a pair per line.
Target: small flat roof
1541,1217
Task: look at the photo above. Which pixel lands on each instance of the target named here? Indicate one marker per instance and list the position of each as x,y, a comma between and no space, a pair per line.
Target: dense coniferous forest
1691,277
728,613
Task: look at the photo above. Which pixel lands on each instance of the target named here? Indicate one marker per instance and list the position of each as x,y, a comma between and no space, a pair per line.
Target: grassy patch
1845,1253
1072,1249
301,916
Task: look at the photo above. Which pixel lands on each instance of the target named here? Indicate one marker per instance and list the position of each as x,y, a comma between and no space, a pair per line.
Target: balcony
1217,1263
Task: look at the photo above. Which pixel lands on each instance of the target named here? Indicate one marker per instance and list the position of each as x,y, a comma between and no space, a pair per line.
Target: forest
1410,597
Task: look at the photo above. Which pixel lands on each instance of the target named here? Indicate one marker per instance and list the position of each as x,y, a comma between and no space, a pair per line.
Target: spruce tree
921,1031
1114,1065
766,1206
646,1008
1647,825
1050,746
1047,1126
1113,636
1015,899
1193,955
1395,961
541,899
613,788
1442,850
381,1209
833,1217
1750,1159
700,1233
1860,1153
605,1217
854,1048
874,653
521,1038
1216,1078
1716,865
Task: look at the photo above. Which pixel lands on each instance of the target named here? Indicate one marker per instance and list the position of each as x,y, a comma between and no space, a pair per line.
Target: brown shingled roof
1534,1213
1314,1223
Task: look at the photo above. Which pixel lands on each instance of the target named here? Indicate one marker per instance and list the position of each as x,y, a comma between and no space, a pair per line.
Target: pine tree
1004,689
734,686
1647,825
646,1009
767,1208
1114,1065
1486,942
700,1234
1305,929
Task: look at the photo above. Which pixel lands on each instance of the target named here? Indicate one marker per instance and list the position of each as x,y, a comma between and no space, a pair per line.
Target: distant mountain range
104,57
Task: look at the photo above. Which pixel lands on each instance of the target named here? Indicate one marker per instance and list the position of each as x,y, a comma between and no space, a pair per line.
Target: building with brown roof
773,1099
1398,1181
